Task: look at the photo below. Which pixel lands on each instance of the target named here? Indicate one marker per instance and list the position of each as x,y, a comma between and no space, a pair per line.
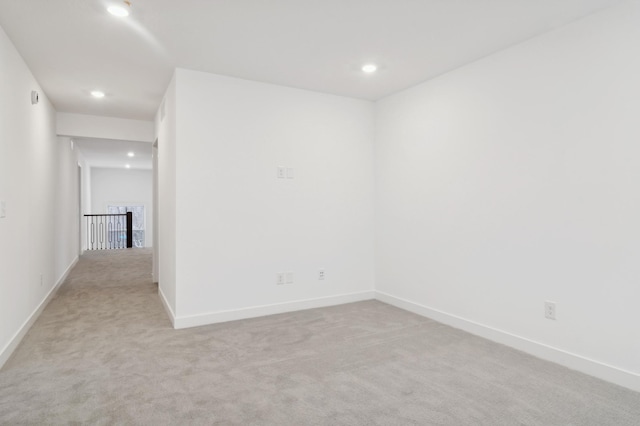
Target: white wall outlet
289,277
321,274
280,278
281,172
290,173
3,209
550,310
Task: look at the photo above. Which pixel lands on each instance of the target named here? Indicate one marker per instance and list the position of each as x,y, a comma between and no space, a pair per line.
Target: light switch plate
289,173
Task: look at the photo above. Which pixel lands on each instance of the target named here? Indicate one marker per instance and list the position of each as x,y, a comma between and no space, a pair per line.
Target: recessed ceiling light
131,154
128,166
118,11
369,68
97,94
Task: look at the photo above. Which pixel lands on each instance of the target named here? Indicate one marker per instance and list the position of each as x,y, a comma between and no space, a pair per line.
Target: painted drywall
67,203
128,187
237,224
514,181
85,197
38,243
165,247
154,191
91,126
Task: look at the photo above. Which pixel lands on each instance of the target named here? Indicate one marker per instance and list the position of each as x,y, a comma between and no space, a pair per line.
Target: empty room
304,212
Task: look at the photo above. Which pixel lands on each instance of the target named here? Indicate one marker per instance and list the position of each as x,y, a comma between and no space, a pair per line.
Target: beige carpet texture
103,352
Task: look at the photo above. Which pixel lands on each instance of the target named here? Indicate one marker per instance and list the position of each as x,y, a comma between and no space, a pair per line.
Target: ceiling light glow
118,11
97,94
369,68
131,154
128,166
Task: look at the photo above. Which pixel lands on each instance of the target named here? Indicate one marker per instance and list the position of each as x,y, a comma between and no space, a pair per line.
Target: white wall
154,189
111,187
165,250
85,196
38,243
67,204
92,126
514,180
237,225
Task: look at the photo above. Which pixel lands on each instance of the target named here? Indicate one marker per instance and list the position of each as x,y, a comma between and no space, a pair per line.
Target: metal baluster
119,232
110,231
101,231
93,233
107,231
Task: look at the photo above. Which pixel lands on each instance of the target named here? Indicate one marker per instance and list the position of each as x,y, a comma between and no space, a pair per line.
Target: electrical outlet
281,172
289,277
321,274
3,209
280,278
550,310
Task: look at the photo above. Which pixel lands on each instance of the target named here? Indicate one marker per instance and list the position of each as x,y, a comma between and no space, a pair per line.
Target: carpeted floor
104,352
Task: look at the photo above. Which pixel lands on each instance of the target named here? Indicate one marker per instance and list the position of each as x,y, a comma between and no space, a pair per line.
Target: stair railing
109,231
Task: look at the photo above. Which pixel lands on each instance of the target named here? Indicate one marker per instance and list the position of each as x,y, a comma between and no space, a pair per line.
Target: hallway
103,318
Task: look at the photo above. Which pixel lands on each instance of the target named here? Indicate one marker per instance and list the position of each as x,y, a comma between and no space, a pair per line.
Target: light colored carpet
104,352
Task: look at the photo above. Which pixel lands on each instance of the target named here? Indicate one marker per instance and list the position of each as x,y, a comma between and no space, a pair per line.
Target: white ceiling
75,46
113,154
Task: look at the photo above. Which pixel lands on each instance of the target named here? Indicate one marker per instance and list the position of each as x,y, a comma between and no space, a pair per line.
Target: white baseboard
263,310
167,307
10,347
573,361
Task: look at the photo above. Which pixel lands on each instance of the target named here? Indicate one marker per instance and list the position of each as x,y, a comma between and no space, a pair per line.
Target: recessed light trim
369,68
97,94
118,11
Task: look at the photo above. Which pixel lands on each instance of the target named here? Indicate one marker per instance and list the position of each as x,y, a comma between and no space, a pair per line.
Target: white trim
10,347
167,307
263,310
573,361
